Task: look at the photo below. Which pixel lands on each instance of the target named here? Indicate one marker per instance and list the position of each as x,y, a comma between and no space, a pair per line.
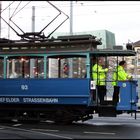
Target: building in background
133,63
108,38
136,46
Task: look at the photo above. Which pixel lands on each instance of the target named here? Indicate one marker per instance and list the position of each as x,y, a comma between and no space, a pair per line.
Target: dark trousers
101,90
116,94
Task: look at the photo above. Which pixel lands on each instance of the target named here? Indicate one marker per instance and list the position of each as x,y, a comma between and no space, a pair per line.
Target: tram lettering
40,100
12,100
2,100
9,100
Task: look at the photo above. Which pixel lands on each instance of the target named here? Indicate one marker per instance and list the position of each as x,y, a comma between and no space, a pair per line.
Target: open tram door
127,94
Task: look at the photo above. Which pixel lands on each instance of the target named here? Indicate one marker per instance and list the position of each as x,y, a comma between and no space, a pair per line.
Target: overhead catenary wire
75,5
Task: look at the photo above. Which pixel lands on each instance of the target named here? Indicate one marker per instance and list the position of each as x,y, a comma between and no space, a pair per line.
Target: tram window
25,67
1,67
36,68
74,67
79,67
52,68
11,68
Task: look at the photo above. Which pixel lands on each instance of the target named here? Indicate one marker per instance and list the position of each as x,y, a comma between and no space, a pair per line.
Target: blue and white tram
51,80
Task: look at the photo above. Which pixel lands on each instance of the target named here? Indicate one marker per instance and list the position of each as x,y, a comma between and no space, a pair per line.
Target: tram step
107,111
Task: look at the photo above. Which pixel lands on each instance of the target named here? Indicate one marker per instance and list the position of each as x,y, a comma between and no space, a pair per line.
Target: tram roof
113,52
62,46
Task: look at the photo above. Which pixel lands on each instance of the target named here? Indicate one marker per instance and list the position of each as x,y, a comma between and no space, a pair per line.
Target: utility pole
0,16
71,33
33,18
32,61
71,17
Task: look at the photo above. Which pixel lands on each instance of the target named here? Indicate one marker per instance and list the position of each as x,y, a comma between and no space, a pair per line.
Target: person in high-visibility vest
99,75
119,75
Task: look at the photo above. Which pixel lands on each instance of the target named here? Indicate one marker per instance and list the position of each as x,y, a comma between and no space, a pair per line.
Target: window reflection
25,67
74,67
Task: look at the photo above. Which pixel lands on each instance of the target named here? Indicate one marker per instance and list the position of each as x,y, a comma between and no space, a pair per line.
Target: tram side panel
45,91
128,95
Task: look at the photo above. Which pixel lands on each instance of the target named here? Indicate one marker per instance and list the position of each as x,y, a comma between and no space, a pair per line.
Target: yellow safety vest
121,76
100,73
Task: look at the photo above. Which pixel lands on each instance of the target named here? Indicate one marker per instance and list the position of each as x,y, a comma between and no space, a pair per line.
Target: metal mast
32,61
33,18
0,16
71,17
71,33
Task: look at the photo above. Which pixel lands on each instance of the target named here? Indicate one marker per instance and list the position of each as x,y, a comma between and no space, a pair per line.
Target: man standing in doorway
99,75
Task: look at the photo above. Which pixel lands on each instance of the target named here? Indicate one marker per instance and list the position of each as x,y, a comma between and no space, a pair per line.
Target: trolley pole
71,33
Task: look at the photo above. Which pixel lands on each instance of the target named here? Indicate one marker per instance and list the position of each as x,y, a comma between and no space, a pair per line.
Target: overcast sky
119,17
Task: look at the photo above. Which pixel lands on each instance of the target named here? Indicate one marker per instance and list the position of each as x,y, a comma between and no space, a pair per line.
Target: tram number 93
24,87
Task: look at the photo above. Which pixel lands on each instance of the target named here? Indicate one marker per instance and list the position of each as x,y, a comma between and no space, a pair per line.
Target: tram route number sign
24,87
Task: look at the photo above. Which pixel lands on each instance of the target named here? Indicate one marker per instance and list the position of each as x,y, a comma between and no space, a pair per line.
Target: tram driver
99,75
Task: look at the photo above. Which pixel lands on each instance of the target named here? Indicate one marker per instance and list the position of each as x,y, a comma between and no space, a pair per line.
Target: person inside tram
119,74
99,75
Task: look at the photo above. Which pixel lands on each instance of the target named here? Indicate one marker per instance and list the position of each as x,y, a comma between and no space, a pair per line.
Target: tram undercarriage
61,114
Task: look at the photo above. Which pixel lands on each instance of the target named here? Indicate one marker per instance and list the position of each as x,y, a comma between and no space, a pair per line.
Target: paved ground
123,127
